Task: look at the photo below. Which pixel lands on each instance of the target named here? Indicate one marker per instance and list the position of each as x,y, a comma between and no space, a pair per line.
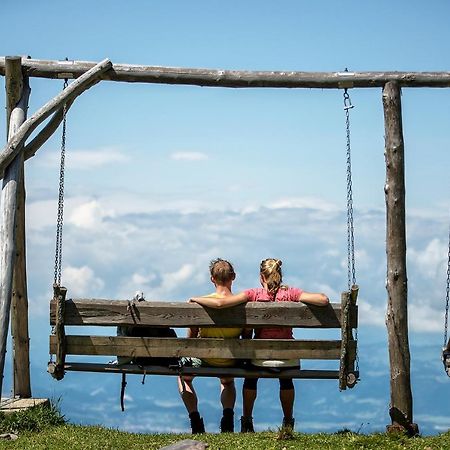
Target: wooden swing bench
112,313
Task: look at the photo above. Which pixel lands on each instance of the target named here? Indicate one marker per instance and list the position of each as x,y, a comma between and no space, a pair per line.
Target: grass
45,428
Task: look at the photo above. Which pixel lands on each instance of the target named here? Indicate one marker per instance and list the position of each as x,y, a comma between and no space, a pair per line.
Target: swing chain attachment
446,347
351,271
60,218
447,292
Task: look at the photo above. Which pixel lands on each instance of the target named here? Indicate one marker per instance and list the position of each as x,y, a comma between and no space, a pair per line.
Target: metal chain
60,219
447,293
351,272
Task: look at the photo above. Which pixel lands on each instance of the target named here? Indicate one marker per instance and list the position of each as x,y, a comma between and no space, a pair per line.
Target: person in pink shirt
271,291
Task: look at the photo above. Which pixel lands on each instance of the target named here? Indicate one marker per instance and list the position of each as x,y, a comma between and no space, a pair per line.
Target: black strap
122,391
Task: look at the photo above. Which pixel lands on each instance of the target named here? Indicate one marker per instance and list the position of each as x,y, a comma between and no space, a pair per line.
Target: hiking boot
197,425
227,421
288,423
247,424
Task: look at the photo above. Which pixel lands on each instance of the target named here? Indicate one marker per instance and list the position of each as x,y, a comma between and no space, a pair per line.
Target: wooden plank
234,78
237,372
202,348
181,314
10,405
60,332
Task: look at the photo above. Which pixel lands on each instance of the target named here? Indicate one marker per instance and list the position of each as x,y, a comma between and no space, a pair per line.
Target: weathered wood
237,372
9,202
182,314
15,85
234,78
14,405
19,312
47,132
343,365
401,409
60,335
17,140
201,348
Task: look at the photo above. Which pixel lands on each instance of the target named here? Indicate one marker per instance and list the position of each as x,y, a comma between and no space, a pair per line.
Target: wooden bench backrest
112,313
183,315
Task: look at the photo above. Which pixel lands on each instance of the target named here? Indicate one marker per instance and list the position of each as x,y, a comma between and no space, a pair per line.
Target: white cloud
87,215
304,202
431,260
86,159
81,281
424,318
370,314
189,156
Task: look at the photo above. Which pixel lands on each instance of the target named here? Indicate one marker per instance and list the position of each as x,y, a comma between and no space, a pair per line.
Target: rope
60,218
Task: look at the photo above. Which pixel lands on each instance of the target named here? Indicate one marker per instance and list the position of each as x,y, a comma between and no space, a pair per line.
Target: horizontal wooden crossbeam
203,347
182,314
233,78
237,372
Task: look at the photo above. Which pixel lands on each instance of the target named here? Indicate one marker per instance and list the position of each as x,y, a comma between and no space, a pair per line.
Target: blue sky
161,179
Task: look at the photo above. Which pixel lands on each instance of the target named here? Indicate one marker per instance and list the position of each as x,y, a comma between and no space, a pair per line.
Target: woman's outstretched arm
224,302
314,298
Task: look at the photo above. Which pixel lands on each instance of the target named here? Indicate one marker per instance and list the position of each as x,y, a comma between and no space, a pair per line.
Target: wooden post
401,410
17,103
19,312
16,84
56,369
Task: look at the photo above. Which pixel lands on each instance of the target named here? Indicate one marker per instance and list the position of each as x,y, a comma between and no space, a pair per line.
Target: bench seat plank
237,372
203,347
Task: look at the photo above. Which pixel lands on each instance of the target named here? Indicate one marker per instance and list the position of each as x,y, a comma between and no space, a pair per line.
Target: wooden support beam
201,347
181,314
15,86
17,103
234,78
401,405
46,132
19,311
84,82
237,372
59,339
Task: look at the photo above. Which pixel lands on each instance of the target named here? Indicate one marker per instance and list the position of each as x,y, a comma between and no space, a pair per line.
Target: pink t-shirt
284,294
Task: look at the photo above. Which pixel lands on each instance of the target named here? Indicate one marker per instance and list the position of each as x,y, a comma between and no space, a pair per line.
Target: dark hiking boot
247,424
227,421
288,423
197,425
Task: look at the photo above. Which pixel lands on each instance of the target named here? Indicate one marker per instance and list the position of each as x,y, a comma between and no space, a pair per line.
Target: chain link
60,218
447,292
351,272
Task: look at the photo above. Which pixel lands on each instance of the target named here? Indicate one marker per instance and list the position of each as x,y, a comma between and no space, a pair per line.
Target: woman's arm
314,298
224,302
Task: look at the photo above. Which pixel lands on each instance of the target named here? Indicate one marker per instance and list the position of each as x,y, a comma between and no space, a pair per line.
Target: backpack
135,331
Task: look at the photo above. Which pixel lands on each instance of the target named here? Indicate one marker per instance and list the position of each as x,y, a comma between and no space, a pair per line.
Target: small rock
186,444
9,436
